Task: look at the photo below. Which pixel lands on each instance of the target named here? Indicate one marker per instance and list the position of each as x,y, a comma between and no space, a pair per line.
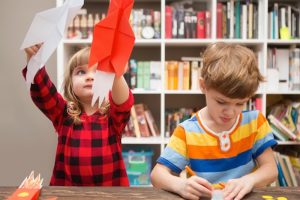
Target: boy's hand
194,188
30,51
237,188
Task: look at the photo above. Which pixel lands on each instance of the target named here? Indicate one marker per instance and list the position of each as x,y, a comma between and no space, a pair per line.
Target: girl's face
82,79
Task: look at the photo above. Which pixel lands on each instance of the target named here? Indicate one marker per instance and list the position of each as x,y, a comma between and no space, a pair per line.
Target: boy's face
222,110
82,79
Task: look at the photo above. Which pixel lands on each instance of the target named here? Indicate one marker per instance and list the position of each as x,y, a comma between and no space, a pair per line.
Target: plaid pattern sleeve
45,96
120,114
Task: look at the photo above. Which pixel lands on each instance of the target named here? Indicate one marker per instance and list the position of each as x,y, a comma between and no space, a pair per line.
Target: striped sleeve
264,137
175,154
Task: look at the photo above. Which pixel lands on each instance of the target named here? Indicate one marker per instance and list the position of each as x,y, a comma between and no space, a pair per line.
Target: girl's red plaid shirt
88,154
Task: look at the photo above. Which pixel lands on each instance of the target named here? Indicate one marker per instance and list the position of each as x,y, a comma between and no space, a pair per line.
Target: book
237,15
231,27
133,115
244,21
155,75
277,133
207,24
224,21
133,73
151,123
168,19
140,74
195,75
180,76
250,20
281,127
281,178
288,164
147,75
188,24
282,64
180,23
172,67
186,75
142,123
284,170
219,20
201,31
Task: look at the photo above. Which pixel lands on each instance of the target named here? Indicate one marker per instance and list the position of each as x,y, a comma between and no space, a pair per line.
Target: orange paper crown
29,189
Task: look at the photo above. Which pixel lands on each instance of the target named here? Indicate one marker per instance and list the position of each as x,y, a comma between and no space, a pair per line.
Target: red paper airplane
113,39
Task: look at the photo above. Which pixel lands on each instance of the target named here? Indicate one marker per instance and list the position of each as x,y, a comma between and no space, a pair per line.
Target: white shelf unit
167,49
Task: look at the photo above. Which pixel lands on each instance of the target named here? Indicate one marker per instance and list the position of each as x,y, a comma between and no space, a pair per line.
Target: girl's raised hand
30,51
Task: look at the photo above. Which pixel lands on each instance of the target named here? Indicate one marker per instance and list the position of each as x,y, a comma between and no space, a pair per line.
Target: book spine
201,31
238,19
168,20
219,20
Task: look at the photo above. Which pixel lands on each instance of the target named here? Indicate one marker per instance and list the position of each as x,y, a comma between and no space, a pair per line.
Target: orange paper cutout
113,39
25,194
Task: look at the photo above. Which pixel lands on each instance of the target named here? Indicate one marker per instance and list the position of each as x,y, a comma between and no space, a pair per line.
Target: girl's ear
202,85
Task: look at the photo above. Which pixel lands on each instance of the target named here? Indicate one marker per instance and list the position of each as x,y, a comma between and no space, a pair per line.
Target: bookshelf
164,49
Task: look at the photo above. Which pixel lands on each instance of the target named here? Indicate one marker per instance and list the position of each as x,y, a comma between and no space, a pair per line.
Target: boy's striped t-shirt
192,144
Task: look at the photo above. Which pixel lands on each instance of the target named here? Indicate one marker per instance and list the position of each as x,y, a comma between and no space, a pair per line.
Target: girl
89,138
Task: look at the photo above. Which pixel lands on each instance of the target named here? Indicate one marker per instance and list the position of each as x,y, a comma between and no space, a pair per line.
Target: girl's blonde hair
74,106
231,69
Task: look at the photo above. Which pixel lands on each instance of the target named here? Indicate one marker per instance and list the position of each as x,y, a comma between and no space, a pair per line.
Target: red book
258,103
201,31
219,20
168,20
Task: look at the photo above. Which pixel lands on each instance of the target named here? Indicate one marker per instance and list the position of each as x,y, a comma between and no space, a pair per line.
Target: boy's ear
202,85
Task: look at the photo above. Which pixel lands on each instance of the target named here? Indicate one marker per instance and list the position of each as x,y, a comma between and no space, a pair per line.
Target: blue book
281,179
237,19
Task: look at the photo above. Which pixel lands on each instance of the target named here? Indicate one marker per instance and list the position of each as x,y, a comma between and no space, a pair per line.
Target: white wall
27,138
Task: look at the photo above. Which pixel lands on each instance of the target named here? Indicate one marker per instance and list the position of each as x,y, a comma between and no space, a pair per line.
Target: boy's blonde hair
231,69
74,105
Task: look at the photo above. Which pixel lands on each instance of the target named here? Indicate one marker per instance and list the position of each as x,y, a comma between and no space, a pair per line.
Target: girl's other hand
30,51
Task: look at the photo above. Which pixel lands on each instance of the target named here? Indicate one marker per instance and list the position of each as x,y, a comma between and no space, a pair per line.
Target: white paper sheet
48,27
103,82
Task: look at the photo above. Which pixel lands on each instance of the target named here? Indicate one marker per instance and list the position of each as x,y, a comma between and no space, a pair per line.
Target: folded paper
113,41
29,188
48,28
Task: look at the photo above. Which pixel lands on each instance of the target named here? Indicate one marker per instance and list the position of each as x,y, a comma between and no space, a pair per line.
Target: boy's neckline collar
207,129
223,137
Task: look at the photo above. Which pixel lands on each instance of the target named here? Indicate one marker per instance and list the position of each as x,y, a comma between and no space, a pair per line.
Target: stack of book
184,74
284,119
283,16
145,75
182,21
288,170
237,20
141,123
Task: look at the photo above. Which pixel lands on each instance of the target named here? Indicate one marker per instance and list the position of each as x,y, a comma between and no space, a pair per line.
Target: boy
221,143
